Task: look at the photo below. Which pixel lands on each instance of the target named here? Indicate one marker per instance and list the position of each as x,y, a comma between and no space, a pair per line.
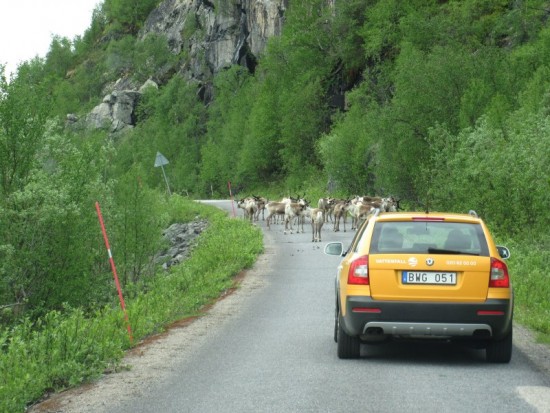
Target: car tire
348,347
336,324
500,351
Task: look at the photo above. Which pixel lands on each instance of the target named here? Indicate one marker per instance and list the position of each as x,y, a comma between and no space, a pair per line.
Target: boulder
116,112
181,239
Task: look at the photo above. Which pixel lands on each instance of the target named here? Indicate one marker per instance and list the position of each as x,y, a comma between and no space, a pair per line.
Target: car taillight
499,274
359,271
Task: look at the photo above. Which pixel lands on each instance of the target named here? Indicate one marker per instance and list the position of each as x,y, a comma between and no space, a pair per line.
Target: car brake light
359,271
490,312
422,219
499,274
370,310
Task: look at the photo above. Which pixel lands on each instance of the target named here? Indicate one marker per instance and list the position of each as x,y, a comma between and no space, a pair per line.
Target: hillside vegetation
443,104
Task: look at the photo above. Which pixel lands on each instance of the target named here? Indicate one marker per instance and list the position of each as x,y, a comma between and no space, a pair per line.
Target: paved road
277,354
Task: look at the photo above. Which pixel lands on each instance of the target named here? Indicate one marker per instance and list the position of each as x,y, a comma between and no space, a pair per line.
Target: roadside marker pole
231,196
113,267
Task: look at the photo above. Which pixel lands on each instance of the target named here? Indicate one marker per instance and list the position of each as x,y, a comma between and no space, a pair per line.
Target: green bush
55,352
64,348
528,263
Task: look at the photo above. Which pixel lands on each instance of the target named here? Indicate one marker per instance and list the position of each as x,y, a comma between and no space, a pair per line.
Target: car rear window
428,237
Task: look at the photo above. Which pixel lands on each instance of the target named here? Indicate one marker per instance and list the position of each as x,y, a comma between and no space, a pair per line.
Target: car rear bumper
366,317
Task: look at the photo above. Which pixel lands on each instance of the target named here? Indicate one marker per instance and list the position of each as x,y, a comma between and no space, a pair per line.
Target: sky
27,26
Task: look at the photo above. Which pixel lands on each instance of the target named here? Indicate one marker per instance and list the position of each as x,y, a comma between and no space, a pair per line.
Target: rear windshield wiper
450,252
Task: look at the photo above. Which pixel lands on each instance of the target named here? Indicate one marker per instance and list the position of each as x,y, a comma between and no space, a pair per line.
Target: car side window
359,239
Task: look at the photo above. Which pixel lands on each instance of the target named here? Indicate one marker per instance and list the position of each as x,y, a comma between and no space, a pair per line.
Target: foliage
119,60
349,150
443,104
67,347
172,124
527,265
128,15
136,227
55,352
23,114
151,55
490,161
50,222
80,90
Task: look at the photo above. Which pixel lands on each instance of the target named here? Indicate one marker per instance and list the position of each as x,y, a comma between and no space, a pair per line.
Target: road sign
160,160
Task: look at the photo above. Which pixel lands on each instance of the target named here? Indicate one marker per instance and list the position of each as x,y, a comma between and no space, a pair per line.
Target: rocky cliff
215,35
209,35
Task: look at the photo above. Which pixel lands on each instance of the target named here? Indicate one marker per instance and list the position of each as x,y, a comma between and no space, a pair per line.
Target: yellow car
423,275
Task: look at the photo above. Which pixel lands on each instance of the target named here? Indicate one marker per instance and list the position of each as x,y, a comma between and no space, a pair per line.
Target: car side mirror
503,252
334,248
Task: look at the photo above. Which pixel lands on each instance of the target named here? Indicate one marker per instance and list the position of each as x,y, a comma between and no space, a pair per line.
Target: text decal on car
461,262
389,261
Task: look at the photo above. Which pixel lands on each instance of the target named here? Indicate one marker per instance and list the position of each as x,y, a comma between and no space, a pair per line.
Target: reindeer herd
295,211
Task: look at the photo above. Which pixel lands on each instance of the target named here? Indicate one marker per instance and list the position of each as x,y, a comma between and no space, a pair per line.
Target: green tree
129,15
23,111
60,57
152,55
137,225
226,127
260,159
50,221
349,151
172,122
300,68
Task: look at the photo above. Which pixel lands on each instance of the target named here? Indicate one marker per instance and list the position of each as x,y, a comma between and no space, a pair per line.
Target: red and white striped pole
231,196
113,267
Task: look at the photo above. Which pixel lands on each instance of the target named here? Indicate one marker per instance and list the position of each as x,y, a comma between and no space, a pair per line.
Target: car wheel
336,324
500,351
348,347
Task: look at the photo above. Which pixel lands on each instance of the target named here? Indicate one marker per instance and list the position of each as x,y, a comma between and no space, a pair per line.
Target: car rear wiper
450,252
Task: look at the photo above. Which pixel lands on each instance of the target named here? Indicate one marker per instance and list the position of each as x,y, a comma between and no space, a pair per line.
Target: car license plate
428,277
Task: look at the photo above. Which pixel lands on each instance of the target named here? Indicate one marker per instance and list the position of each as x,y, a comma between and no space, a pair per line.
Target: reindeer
261,202
340,211
249,207
326,205
274,209
293,210
317,221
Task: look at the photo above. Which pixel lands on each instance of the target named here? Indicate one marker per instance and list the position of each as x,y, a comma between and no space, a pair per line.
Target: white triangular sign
160,160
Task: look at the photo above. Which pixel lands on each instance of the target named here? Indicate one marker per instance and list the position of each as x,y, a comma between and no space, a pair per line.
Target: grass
528,267
67,348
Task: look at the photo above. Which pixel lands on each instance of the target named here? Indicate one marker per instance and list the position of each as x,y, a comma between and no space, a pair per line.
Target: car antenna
428,202
428,195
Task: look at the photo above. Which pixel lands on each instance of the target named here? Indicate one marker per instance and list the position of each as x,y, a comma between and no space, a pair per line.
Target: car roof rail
473,213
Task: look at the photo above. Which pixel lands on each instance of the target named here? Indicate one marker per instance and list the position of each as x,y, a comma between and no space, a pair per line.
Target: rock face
209,35
116,112
216,34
